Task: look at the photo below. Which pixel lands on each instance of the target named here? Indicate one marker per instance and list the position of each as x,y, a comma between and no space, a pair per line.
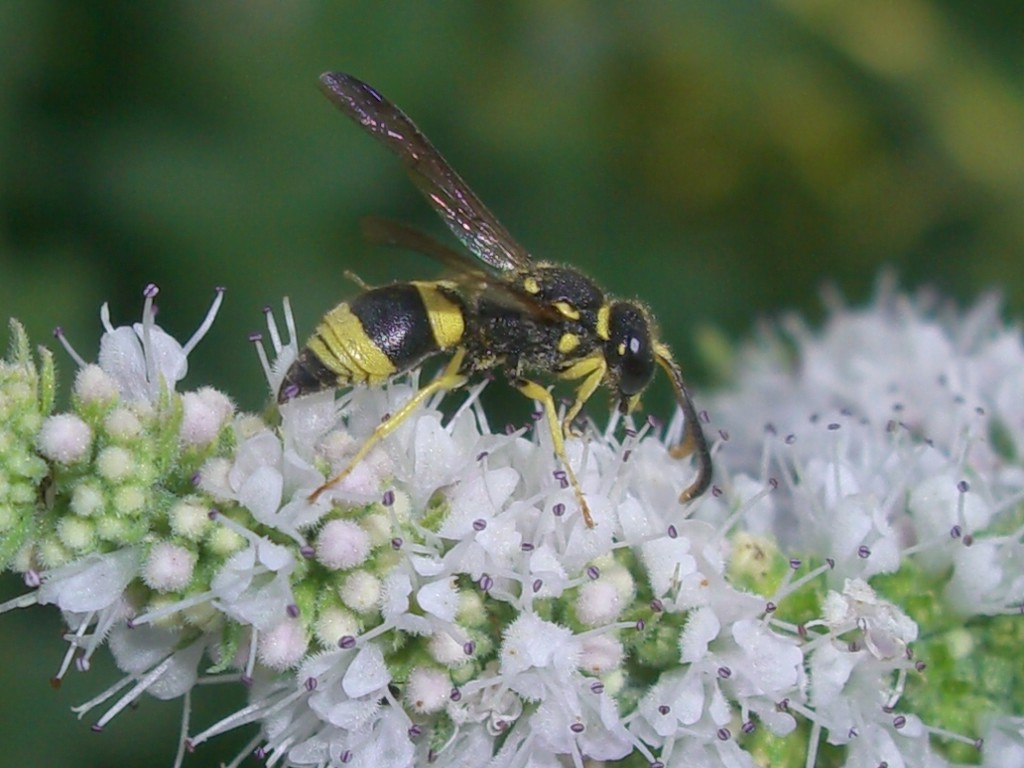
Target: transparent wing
382,231
466,216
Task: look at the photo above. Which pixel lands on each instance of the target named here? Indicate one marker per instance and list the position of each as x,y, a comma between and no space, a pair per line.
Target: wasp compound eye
629,347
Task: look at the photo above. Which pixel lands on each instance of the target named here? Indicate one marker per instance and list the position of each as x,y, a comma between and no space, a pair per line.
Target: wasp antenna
693,436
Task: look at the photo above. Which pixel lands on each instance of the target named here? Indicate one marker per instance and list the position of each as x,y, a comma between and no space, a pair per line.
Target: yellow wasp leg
449,379
536,392
591,370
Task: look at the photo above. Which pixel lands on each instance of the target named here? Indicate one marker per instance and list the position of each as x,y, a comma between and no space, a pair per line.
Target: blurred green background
722,159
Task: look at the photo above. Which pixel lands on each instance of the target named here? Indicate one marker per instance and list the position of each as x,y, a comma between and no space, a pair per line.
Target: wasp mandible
501,310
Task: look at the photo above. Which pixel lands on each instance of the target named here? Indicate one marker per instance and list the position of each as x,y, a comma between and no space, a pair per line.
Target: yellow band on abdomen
341,344
446,317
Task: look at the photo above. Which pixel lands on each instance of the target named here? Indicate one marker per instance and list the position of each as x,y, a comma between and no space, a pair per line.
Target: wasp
501,309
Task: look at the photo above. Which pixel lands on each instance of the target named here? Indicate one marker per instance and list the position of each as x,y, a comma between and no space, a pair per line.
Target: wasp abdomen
382,332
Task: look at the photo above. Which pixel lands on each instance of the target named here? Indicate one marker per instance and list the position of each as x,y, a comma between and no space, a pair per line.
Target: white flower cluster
894,437
446,603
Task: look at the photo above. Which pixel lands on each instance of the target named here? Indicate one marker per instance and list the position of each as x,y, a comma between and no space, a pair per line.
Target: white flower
144,359
446,603
91,584
253,585
886,630
532,644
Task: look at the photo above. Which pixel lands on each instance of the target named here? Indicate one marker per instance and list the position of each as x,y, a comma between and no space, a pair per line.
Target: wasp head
629,353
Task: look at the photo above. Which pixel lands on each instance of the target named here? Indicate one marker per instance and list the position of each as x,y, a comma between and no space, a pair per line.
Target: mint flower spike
858,556
26,398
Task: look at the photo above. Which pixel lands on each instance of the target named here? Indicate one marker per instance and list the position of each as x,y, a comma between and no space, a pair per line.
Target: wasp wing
464,213
381,231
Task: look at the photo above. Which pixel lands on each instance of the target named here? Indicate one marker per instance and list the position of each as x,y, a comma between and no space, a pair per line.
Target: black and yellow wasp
503,310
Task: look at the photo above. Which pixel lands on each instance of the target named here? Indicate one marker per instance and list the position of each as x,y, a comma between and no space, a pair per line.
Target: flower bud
114,463
123,425
94,386
283,646
361,591
428,690
169,567
342,544
204,414
65,438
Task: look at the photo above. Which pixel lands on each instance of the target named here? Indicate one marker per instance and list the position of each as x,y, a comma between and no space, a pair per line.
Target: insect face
629,353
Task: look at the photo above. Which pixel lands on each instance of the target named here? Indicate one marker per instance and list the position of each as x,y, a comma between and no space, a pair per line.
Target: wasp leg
592,370
449,379
536,392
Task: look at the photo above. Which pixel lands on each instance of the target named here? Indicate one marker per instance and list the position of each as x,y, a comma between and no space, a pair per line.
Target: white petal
718,707
260,450
390,746
531,642
835,609
702,626
121,358
664,693
977,575
546,565
667,560
275,557
397,588
260,493
367,672
636,523
181,675
351,714
262,606
551,724
1004,741
136,650
235,575
169,360
773,663
426,566
438,458
440,598
480,497
829,670
690,699
90,584
607,739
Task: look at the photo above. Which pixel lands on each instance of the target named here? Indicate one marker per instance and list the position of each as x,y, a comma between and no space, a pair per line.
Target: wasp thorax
629,350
